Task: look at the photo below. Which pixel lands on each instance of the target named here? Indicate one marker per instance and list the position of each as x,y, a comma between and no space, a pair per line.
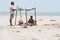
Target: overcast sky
41,5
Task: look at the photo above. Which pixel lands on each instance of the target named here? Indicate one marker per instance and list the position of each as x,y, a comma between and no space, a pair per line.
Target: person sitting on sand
31,21
11,12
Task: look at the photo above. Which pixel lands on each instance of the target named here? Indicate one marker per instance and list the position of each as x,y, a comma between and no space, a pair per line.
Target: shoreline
24,15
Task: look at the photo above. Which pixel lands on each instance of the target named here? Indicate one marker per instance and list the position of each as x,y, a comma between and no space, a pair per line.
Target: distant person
11,12
31,21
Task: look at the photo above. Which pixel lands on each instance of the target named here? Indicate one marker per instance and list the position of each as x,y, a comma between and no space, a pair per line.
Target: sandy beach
48,28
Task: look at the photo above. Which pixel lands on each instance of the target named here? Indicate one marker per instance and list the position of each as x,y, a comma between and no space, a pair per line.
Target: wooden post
20,14
35,16
26,15
15,16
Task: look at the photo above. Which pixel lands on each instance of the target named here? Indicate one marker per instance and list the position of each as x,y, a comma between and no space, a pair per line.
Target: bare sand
48,28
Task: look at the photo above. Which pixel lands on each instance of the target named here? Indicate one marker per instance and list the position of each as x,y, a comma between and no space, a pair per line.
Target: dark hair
31,16
12,3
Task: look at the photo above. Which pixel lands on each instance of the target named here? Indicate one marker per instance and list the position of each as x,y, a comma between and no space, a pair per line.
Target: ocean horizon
32,13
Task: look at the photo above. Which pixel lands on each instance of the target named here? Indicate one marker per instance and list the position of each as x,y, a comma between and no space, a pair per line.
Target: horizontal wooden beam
20,9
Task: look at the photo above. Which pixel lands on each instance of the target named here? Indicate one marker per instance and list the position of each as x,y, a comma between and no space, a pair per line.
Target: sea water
32,13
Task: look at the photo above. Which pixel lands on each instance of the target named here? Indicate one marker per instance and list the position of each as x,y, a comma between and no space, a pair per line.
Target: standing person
11,12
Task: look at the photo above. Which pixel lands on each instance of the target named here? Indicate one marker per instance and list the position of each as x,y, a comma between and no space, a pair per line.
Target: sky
40,5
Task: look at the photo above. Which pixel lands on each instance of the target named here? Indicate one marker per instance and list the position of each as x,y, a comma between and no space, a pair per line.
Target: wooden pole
26,15
20,15
16,15
35,16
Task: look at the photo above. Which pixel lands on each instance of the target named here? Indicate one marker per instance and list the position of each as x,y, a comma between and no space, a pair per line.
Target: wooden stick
26,15
35,16
15,17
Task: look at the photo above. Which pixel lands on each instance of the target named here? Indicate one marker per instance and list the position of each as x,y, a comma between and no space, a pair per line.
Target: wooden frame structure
20,9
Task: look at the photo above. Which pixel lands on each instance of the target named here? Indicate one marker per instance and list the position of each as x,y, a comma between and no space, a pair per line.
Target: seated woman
31,21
